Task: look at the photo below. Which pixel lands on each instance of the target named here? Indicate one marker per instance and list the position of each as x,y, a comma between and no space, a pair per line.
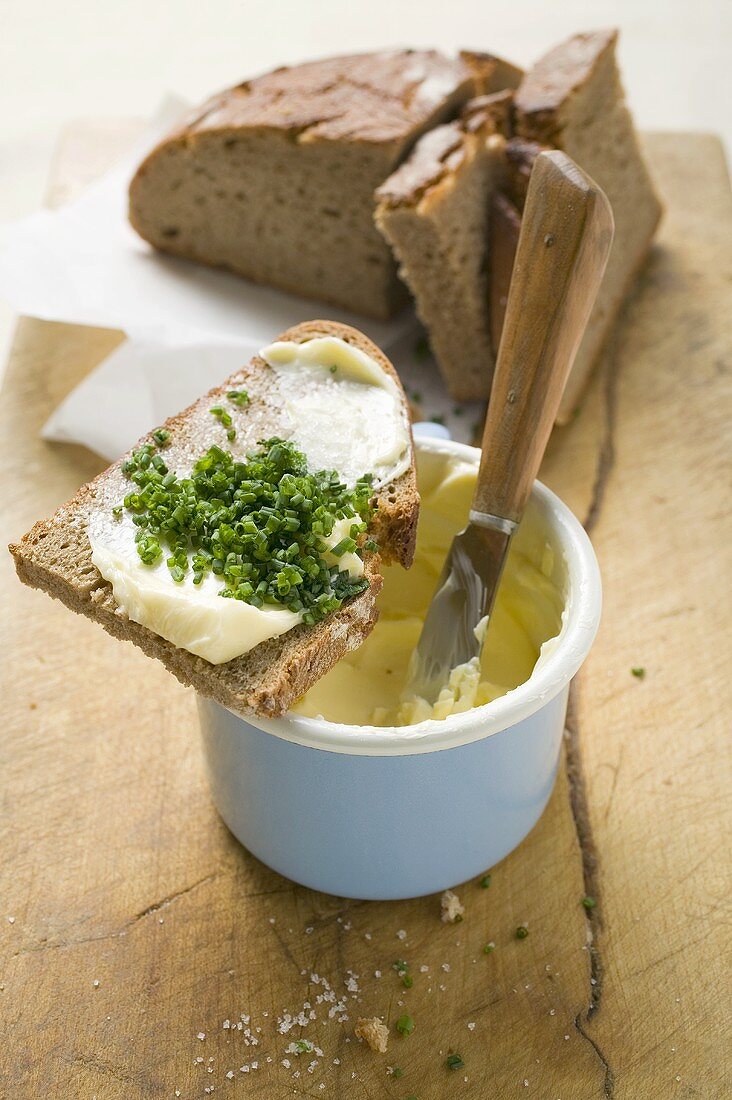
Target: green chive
639,673
589,903
522,932
401,966
333,369
454,1061
372,545
397,1072
421,347
438,419
221,415
405,1025
407,981
231,434
303,1046
485,881
161,436
238,397
117,511
489,947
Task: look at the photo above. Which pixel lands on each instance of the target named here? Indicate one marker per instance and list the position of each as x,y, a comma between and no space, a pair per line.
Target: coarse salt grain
471,1027
11,920
401,934
201,1035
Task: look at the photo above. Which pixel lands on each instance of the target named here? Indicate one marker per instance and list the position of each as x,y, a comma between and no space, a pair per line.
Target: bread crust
55,556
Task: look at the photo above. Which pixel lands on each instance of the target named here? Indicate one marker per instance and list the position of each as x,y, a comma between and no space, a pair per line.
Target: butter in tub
367,687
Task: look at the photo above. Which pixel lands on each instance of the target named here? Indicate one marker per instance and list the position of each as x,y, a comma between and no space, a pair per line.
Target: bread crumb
452,910
374,1031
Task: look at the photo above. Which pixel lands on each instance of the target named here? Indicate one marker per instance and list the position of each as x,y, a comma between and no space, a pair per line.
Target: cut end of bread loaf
56,555
434,211
573,99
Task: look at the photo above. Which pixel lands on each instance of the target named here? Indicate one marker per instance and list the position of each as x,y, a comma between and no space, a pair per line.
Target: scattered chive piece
333,369
639,673
231,434
488,948
485,881
238,397
221,415
438,419
117,511
401,966
457,411
371,544
589,903
421,347
417,396
161,436
454,1061
303,1046
407,981
405,1025
522,932
397,1072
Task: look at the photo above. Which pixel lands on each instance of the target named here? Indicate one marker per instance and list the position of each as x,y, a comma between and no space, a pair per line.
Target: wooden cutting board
135,933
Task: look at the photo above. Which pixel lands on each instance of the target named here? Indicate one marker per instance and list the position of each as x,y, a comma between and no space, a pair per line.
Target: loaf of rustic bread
274,179
452,210
434,212
56,555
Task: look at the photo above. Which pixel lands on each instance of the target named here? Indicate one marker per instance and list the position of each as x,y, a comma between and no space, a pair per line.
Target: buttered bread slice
225,545
274,179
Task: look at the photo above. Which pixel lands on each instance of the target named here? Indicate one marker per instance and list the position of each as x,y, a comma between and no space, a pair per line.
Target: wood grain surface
133,927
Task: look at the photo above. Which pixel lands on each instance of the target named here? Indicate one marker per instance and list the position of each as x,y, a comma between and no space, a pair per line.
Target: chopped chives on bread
434,211
274,179
573,99
56,555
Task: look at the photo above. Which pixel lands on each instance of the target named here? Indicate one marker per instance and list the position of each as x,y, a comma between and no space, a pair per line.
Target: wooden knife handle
566,234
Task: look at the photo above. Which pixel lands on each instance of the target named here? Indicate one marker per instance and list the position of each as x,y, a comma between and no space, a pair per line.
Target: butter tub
378,813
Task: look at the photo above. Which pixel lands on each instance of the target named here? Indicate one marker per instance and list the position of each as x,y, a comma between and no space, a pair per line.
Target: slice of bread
274,179
434,211
573,99
56,555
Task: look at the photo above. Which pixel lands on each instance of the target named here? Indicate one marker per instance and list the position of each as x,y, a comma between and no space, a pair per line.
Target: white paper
84,264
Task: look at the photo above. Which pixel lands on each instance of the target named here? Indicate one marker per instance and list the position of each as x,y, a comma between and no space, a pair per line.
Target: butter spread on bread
56,554
344,413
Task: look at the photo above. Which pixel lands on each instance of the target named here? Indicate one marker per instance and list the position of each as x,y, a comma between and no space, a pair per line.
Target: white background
66,59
